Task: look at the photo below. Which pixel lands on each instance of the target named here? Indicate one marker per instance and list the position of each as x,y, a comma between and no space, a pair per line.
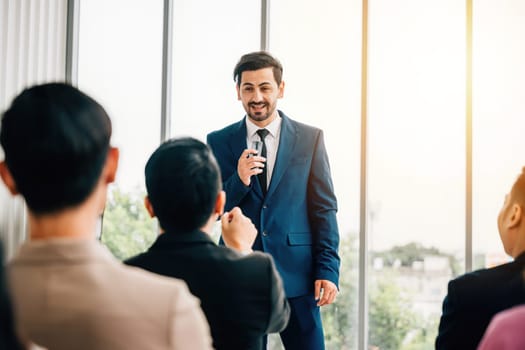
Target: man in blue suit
287,191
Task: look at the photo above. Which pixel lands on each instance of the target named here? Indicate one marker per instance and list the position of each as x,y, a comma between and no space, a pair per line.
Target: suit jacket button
265,233
264,206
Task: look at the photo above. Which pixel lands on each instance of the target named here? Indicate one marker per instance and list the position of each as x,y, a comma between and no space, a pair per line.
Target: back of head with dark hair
55,139
255,61
183,181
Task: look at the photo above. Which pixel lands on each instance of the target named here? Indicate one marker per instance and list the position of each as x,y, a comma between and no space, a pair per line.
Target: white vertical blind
32,50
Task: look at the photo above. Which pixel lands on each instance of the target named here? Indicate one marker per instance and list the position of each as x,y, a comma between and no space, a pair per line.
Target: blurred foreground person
69,292
505,331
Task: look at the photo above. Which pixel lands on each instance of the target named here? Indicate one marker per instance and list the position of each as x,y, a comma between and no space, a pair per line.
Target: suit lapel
237,143
237,139
287,141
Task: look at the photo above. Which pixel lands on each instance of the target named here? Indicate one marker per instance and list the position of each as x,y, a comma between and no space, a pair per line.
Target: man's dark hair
56,140
255,61
182,181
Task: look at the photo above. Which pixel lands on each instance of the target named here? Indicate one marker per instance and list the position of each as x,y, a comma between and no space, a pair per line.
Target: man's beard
260,116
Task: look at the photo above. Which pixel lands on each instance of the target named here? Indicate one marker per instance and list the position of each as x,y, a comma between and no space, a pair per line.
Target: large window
416,173
499,122
416,141
209,37
120,51
321,58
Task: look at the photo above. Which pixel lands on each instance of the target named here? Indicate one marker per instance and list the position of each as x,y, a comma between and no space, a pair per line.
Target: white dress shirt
271,141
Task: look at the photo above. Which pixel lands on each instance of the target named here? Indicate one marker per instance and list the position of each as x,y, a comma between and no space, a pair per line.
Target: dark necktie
262,176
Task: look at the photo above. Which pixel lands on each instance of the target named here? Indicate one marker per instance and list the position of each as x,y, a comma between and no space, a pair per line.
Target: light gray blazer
72,294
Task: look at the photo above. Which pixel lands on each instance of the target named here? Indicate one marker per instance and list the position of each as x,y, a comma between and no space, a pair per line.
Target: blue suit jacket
296,220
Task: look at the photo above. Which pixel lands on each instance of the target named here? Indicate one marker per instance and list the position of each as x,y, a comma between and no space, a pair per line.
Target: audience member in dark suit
474,298
8,338
241,291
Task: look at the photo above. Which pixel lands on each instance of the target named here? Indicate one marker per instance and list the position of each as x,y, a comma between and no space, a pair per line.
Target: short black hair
182,180
56,140
255,61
